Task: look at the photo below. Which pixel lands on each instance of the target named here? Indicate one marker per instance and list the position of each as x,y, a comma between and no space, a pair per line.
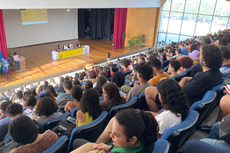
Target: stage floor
39,63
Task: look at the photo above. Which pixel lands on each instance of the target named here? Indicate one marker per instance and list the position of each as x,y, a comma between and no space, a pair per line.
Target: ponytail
151,128
140,124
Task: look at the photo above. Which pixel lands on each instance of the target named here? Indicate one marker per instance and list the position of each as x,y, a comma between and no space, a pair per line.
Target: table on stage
68,53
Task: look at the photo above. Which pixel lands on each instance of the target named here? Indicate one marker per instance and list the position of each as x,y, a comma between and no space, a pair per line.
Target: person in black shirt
211,60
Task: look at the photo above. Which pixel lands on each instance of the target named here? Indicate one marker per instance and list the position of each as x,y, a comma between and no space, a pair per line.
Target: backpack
61,104
65,126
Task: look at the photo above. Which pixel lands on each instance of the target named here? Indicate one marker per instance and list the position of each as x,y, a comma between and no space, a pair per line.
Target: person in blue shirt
4,119
67,85
183,49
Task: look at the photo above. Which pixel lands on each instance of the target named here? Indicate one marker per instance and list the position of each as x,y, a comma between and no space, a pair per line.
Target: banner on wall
34,16
4,63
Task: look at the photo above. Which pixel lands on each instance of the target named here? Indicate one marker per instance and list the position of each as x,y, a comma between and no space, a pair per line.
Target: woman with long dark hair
111,96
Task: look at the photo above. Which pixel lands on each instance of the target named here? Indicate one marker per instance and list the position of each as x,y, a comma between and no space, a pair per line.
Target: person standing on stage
108,56
16,61
87,31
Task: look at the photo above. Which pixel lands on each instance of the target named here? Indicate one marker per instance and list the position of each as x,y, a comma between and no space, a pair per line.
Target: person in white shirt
70,46
174,101
16,61
65,47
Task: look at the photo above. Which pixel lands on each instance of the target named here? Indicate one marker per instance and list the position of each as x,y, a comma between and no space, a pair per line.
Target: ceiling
59,4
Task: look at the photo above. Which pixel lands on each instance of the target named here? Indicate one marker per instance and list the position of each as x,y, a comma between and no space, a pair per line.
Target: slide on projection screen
34,16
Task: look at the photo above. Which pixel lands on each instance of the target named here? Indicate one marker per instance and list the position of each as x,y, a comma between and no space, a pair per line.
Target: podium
22,61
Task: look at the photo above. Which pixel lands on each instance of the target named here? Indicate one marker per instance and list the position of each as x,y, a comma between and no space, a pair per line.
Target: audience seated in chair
111,96
24,132
30,103
174,65
126,135
67,85
124,65
157,71
76,93
118,78
210,59
144,72
46,109
89,107
225,68
4,119
100,82
186,63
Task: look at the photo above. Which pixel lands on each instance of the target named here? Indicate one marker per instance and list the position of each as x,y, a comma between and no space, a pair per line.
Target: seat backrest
49,124
161,146
89,131
60,146
178,134
179,77
74,111
8,139
115,109
165,68
141,103
203,106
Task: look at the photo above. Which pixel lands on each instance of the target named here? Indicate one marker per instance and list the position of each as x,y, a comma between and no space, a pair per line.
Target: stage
39,63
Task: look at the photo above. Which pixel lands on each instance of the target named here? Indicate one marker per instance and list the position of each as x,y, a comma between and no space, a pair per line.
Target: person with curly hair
144,72
211,59
46,110
111,96
89,107
186,63
175,103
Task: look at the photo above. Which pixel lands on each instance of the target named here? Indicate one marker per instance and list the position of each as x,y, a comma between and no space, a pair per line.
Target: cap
195,55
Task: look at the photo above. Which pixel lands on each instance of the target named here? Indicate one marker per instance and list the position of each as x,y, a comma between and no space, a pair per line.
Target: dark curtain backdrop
81,23
119,27
100,22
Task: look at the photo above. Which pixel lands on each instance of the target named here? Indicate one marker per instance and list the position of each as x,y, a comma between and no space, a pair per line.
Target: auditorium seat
141,103
161,146
75,111
89,131
128,72
60,146
165,69
203,106
177,135
8,139
115,109
49,124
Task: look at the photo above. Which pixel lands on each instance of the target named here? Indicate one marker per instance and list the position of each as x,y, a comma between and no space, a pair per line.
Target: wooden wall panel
141,21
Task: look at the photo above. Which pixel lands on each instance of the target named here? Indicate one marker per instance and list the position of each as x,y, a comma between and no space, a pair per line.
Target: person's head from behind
92,74
207,40
180,45
133,127
15,53
51,89
102,73
67,86
31,101
45,85
90,103
101,81
163,57
223,41
193,47
19,95
14,110
226,54
144,71
173,98
211,57
23,130
76,92
76,82
174,65
125,63
155,64
88,85
118,78
4,105
186,62
46,107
